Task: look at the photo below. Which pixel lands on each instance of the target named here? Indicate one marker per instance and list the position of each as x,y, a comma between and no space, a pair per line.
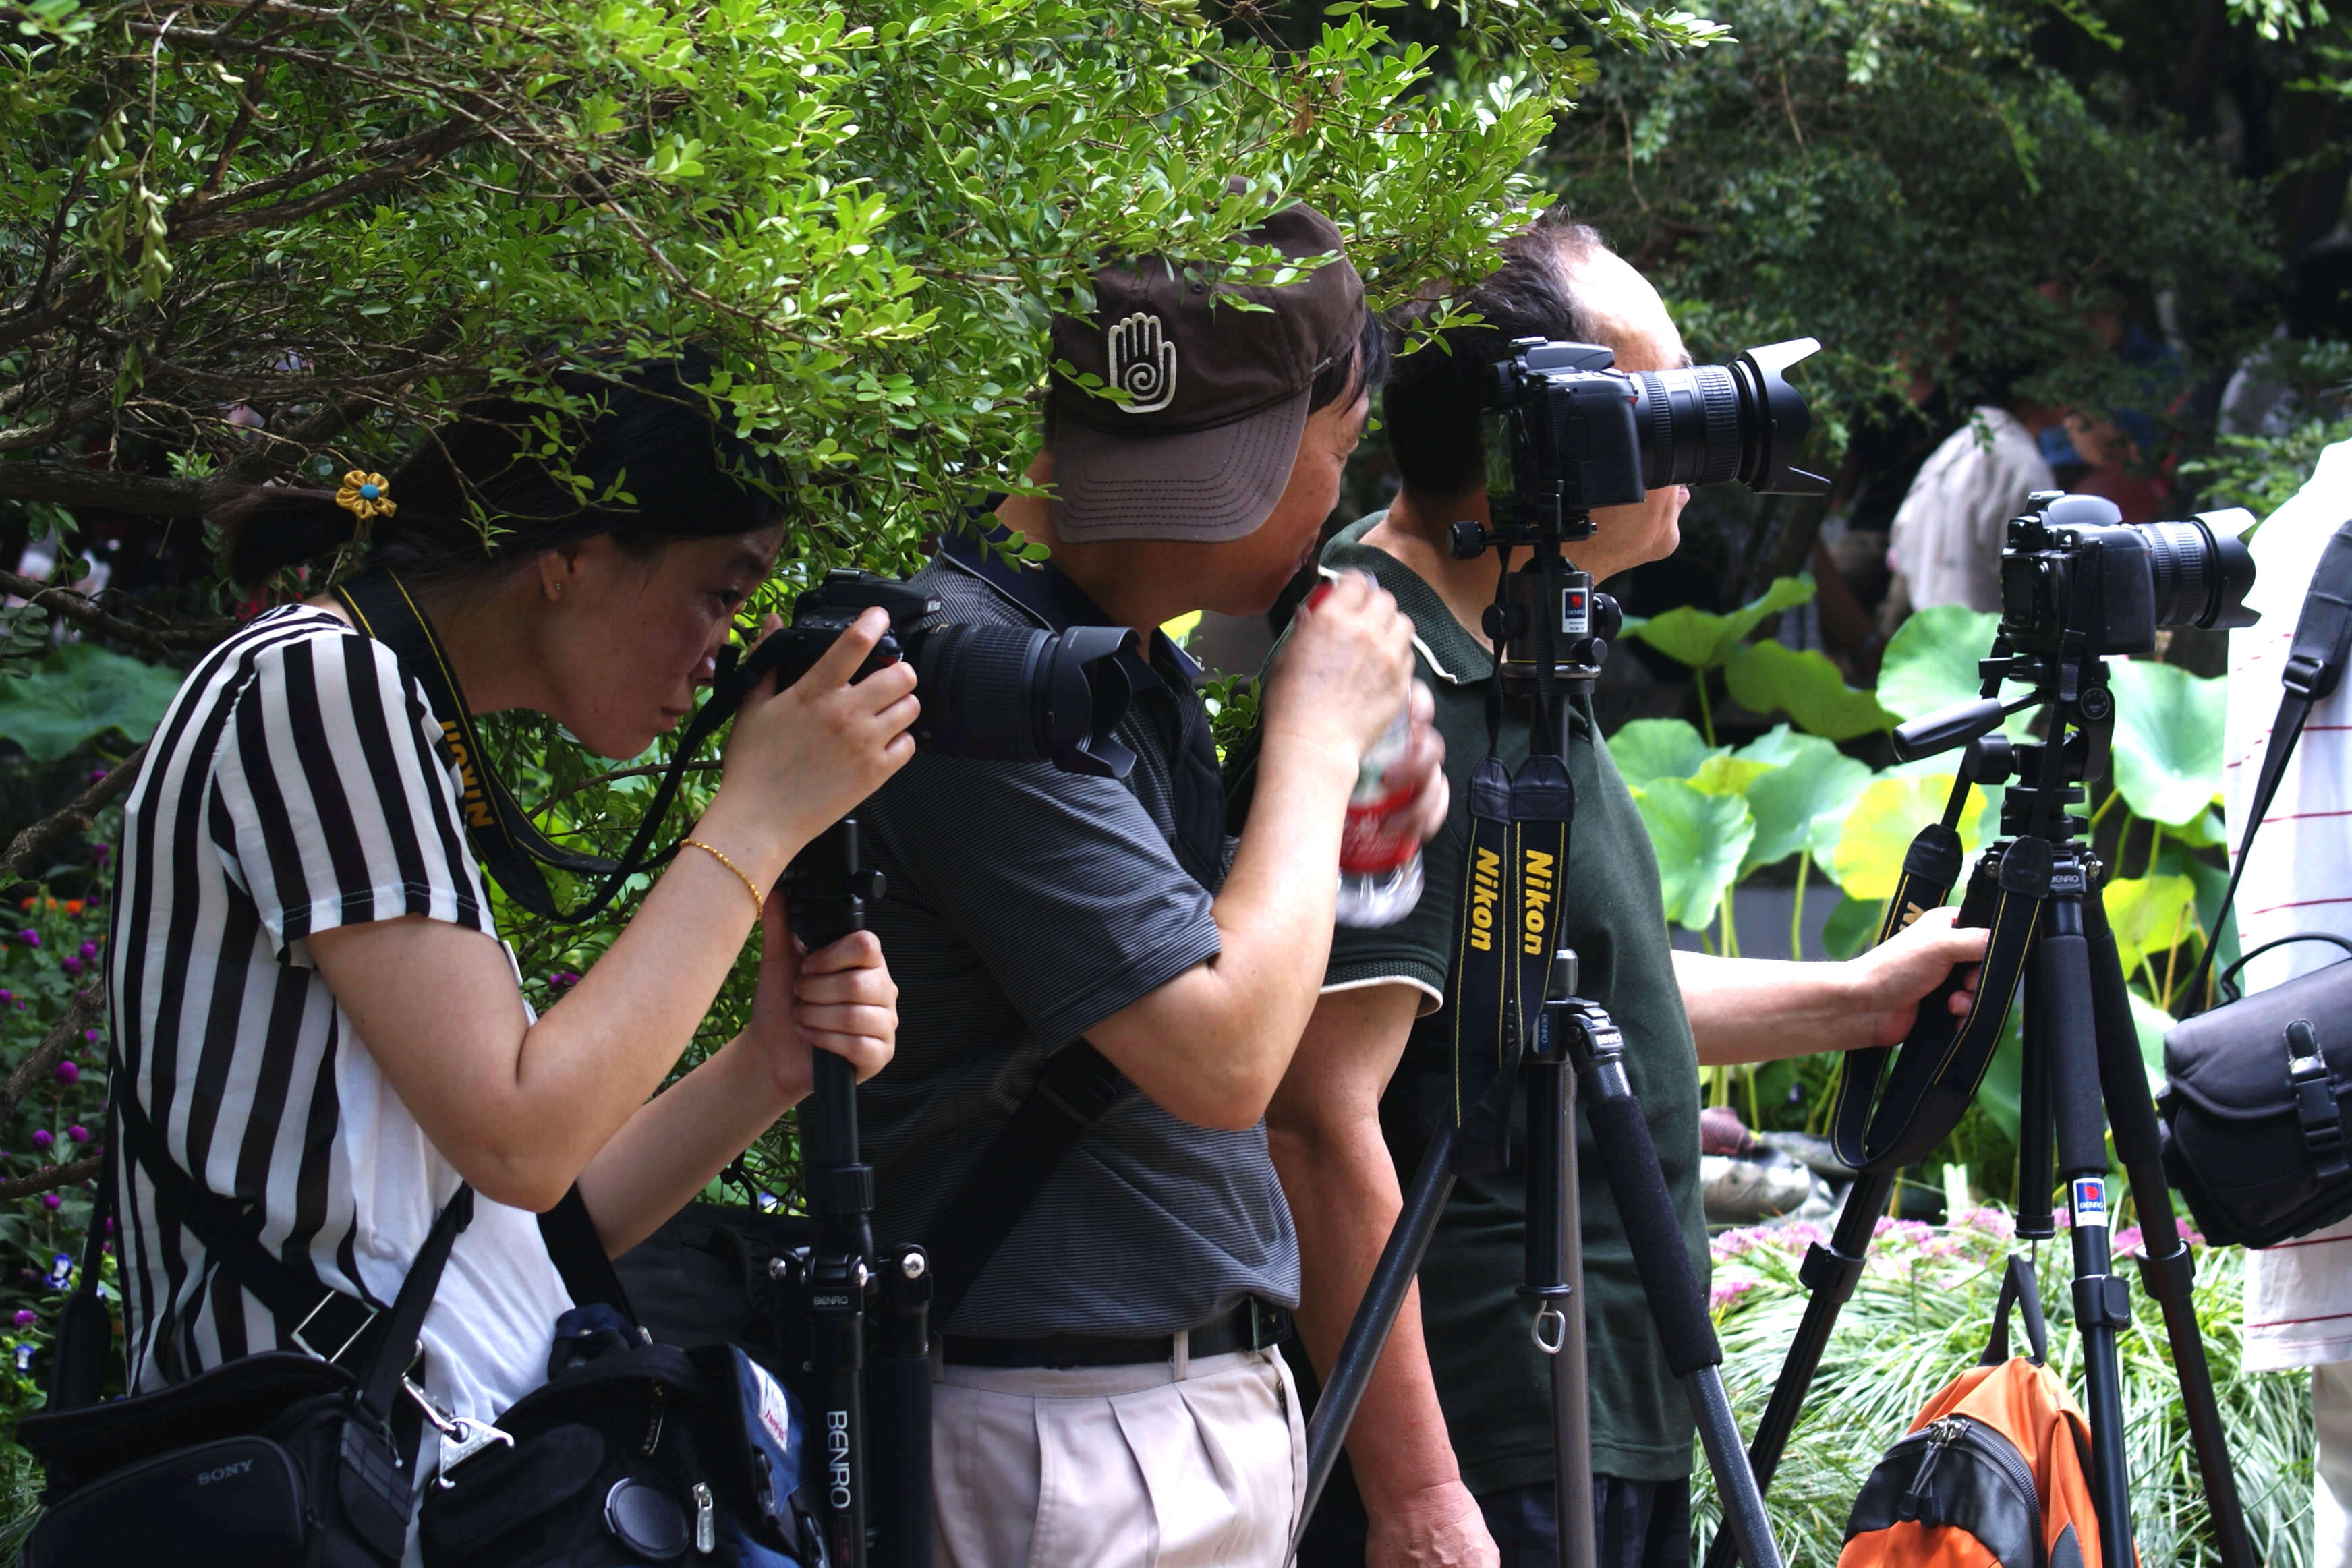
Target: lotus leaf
2168,740
1767,677
80,693
1700,839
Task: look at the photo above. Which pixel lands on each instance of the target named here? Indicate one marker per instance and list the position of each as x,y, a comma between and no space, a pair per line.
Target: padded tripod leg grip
1676,1303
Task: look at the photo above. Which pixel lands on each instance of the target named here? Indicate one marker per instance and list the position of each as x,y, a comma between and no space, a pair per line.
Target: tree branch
81,1015
409,154
33,843
82,611
51,1178
73,485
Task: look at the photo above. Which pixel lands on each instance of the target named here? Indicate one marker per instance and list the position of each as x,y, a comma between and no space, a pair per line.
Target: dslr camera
1565,432
2072,565
996,693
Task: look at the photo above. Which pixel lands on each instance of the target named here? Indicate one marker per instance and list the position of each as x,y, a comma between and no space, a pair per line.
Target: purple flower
69,963
78,1132
99,852
29,937
88,951
7,997
51,1201
69,1073
561,981
43,1138
89,1036
24,1317
98,775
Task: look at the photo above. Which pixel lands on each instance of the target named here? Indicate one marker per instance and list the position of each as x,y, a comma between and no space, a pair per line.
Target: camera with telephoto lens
1565,432
2072,565
992,692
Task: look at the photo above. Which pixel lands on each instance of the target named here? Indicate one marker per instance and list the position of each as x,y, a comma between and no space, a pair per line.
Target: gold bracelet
759,903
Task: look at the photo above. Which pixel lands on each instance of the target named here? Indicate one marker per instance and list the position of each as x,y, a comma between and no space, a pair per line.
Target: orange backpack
1992,1473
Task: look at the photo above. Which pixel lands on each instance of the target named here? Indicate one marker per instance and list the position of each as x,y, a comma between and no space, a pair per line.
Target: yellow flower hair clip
366,496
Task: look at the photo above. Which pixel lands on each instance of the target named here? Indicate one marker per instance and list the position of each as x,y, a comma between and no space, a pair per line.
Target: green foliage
80,693
1706,641
2262,473
1904,179
1931,664
1701,839
2167,739
1767,677
1800,806
1918,1319
1868,860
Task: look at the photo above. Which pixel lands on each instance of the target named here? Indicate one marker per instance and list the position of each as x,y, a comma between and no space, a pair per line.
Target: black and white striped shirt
294,785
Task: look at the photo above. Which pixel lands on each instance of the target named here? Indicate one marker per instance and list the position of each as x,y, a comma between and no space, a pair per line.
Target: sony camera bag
2257,1087
282,1460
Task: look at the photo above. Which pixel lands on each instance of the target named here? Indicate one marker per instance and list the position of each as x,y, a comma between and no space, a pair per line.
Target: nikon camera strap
1516,857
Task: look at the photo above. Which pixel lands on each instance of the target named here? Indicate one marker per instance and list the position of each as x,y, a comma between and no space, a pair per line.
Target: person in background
2298,877
1944,545
1452,1447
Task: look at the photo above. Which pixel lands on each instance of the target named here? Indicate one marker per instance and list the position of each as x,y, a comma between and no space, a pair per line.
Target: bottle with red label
1379,847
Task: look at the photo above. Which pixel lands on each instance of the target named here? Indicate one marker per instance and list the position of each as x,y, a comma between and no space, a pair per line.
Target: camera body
2072,566
1565,432
996,693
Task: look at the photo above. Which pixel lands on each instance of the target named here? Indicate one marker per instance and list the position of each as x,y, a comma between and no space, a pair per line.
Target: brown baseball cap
1205,439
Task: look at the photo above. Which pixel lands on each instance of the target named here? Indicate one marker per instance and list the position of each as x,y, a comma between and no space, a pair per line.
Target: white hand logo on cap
1142,363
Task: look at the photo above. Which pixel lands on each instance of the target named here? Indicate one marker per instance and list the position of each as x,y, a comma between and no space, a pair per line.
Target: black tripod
1550,642
2036,888
875,1491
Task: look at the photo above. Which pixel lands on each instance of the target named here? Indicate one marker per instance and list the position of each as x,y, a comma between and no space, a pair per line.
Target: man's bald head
1559,280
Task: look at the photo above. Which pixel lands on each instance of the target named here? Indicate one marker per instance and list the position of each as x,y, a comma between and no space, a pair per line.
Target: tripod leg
1556,1280
2062,993
1676,1303
2035,1171
2165,1267
1368,1332
1830,1274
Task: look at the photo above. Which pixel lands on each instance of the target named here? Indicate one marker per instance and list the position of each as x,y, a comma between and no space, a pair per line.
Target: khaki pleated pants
1169,1465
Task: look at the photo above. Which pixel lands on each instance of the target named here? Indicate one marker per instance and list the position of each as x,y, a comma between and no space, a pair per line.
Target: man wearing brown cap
1100,989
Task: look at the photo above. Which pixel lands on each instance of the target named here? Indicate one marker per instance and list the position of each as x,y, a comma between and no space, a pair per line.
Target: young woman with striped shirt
311,1003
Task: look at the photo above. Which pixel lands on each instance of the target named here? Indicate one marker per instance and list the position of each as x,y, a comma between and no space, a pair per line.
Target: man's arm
1211,1045
1762,1009
1324,1128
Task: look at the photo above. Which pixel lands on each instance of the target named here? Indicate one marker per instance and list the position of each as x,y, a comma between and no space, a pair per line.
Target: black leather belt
1252,1326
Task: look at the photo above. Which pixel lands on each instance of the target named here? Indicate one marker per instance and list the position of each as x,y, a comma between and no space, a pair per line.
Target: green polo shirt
1491,1379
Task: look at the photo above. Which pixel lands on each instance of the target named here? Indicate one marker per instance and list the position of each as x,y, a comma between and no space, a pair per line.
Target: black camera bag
632,1452
2253,1108
283,1459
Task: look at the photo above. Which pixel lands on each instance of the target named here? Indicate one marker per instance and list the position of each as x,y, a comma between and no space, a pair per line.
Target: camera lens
1705,423
2201,578
1012,693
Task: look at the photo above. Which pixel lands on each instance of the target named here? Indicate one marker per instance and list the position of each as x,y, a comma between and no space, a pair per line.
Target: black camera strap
1932,1076
376,1345
2315,666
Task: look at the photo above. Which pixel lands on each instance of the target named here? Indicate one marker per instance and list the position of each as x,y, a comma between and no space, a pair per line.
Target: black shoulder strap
377,1346
1076,1091
578,1253
2018,1289
2314,665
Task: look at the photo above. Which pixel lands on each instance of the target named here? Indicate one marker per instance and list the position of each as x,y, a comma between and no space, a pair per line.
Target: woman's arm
520,1109
839,998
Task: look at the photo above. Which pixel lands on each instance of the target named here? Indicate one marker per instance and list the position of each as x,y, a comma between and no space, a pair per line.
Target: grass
1921,1317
